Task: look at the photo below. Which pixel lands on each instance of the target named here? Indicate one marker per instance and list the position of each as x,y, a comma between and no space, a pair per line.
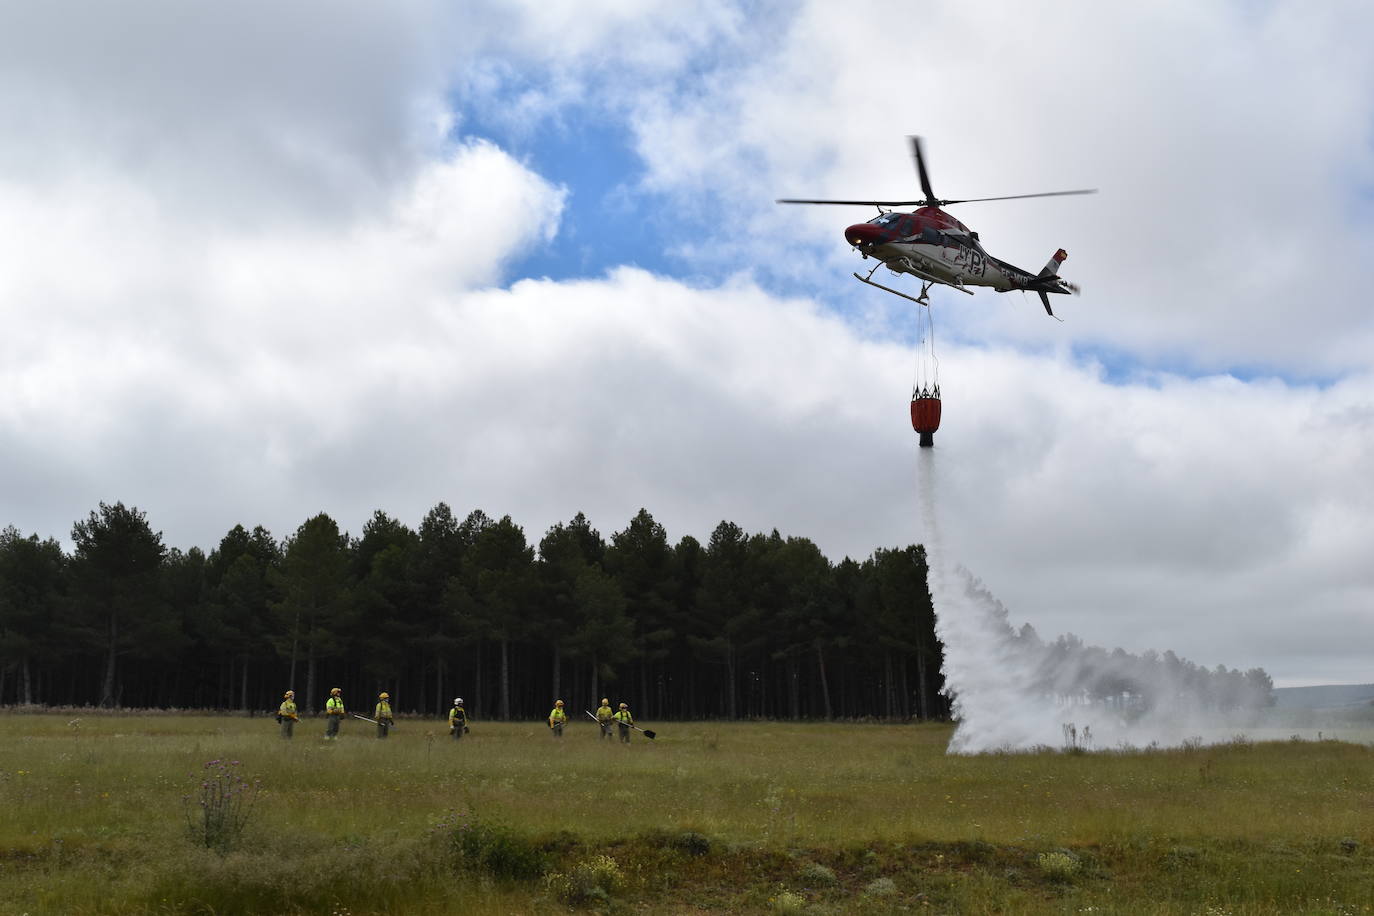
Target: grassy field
765,817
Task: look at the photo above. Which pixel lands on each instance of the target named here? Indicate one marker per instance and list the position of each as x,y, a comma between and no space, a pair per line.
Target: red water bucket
925,418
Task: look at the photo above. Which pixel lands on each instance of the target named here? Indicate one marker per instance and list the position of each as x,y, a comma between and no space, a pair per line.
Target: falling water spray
1011,691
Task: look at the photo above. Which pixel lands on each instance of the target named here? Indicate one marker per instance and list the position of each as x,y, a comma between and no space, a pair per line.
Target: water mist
1011,691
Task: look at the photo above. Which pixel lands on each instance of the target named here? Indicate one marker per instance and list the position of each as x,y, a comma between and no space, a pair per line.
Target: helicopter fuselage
932,245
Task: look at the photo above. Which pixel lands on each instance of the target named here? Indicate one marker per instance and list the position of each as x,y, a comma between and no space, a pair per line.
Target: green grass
765,817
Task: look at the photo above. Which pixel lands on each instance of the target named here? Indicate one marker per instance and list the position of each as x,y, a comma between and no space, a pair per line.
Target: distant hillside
1329,696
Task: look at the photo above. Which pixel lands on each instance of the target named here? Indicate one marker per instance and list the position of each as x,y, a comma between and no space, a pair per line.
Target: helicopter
937,249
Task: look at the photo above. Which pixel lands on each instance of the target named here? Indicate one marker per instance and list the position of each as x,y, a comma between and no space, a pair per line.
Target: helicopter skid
925,287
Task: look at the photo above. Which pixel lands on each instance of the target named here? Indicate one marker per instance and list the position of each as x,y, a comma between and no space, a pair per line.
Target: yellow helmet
335,691
558,702
289,694
605,702
384,696
623,706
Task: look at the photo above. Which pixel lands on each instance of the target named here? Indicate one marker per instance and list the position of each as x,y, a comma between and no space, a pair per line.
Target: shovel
651,735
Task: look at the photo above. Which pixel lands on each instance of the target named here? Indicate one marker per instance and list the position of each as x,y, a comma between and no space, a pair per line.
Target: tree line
746,625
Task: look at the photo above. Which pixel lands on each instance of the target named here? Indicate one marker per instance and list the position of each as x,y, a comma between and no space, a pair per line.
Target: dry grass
93,820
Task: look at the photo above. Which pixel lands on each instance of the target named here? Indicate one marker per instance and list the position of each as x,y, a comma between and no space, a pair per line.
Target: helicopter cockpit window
886,219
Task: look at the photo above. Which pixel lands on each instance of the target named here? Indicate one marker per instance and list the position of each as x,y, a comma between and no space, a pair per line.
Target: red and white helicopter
935,247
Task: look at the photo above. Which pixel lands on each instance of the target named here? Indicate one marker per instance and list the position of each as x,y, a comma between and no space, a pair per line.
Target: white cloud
135,335
603,35
250,112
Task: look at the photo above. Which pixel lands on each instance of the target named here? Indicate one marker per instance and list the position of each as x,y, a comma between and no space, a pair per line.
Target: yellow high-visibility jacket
383,713
558,716
623,717
288,710
604,714
334,706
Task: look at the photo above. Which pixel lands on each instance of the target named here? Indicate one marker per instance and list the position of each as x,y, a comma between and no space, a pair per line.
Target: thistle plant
218,810
591,880
1058,866
787,902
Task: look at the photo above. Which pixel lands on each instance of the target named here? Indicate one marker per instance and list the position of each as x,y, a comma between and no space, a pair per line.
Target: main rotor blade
921,168
857,203
974,200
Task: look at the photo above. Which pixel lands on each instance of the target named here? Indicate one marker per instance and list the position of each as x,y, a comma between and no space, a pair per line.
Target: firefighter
604,714
383,715
623,721
333,713
457,719
557,719
286,714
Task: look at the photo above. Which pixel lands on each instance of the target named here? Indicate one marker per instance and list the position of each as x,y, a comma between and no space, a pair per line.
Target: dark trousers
605,730
382,729
558,730
331,728
624,732
288,727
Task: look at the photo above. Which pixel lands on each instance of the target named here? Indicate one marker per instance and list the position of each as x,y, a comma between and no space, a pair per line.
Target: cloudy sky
261,260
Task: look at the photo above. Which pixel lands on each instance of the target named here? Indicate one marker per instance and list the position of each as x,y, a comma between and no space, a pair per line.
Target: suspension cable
926,376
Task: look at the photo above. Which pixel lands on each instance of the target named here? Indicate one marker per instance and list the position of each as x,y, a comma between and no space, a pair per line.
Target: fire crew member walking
623,721
333,713
457,719
604,715
286,714
557,718
383,715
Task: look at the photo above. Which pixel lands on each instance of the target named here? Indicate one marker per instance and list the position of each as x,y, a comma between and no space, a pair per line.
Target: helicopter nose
864,235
